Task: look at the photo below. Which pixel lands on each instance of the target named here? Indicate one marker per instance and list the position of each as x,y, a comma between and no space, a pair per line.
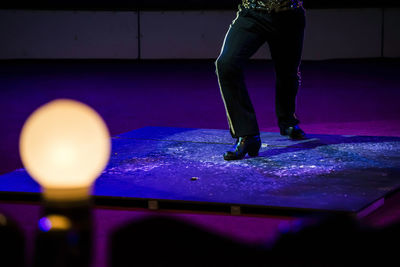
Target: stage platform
183,169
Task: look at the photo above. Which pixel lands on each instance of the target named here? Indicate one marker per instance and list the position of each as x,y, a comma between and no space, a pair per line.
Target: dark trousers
284,33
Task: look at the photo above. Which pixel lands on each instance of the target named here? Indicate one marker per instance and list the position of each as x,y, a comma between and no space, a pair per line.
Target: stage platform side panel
18,181
324,172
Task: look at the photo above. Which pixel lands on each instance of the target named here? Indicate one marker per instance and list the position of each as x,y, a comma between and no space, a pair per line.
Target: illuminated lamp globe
64,146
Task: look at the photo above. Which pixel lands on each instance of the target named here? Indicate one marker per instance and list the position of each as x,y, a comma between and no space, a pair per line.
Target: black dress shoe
244,145
294,132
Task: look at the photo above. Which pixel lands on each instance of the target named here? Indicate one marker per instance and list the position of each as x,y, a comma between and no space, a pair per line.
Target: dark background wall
184,29
181,4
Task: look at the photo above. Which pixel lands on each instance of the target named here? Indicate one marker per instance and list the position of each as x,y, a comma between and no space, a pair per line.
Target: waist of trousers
272,5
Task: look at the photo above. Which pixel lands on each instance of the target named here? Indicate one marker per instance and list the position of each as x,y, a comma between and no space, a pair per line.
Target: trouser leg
286,48
241,42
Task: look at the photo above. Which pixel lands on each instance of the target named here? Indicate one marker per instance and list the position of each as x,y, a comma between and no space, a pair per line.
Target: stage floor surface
181,168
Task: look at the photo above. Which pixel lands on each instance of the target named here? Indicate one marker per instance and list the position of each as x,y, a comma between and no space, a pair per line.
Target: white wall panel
189,34
343,33
332,33
68,34
392,33
349,33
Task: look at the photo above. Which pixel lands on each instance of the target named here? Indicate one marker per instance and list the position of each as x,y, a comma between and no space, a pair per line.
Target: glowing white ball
65,144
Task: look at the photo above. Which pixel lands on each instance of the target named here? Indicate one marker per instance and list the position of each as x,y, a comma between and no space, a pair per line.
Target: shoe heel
253,151
253,154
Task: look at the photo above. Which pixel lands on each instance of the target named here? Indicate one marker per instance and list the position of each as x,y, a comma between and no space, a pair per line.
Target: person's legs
286,48
243,39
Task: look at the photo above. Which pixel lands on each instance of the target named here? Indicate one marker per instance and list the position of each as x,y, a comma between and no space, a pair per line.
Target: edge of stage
345,174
